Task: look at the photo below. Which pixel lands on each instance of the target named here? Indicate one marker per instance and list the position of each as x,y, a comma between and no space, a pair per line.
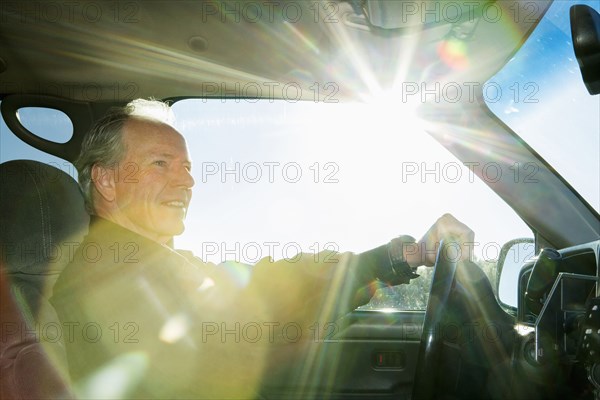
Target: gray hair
103,144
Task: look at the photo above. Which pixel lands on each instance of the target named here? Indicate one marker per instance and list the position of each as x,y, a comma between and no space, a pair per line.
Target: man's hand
449,229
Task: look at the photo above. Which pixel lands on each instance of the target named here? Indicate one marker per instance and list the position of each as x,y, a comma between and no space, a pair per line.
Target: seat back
42,221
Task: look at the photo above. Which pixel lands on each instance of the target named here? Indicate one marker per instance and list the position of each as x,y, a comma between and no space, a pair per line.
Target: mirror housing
585,31
512,257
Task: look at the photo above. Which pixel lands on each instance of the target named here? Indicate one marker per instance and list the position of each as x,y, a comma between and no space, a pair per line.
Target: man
170,324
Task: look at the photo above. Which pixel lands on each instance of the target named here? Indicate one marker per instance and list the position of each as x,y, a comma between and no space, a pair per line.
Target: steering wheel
431,339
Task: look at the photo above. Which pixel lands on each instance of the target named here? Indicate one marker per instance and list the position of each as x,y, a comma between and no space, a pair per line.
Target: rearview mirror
585,30
512,256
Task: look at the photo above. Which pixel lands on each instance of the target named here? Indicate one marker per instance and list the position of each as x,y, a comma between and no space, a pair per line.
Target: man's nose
183,177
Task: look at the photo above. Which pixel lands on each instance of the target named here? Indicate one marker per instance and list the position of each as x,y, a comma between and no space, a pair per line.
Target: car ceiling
115,51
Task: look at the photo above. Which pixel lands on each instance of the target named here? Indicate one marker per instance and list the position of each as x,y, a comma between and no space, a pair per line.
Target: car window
279,177
47,123
547,104
276,177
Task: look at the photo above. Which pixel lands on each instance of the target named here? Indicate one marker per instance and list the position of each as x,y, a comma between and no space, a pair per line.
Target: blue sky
562,122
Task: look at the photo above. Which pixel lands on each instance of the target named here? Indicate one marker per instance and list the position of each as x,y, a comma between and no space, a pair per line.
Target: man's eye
160,163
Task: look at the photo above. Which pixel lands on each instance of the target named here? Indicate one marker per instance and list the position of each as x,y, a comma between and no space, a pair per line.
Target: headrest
42,217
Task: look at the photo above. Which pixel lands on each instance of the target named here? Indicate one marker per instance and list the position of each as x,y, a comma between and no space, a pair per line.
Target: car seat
42,220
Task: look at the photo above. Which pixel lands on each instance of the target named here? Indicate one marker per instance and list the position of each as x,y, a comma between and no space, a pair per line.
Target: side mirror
512,257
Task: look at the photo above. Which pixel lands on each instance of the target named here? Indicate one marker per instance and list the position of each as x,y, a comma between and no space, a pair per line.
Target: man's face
153,181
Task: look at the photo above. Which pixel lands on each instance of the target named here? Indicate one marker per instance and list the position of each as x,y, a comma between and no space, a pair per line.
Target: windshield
549,106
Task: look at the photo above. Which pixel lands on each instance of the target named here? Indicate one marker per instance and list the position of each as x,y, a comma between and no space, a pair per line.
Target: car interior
82,58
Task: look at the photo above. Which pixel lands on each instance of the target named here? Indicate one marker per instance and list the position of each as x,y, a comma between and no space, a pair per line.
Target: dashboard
558,323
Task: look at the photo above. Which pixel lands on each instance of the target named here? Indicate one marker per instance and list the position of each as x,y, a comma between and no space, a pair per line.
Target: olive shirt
172,325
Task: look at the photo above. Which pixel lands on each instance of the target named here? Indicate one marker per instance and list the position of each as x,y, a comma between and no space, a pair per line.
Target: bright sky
372,184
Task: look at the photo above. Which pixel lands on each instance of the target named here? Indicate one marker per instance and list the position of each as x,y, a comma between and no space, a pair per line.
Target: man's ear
103,180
